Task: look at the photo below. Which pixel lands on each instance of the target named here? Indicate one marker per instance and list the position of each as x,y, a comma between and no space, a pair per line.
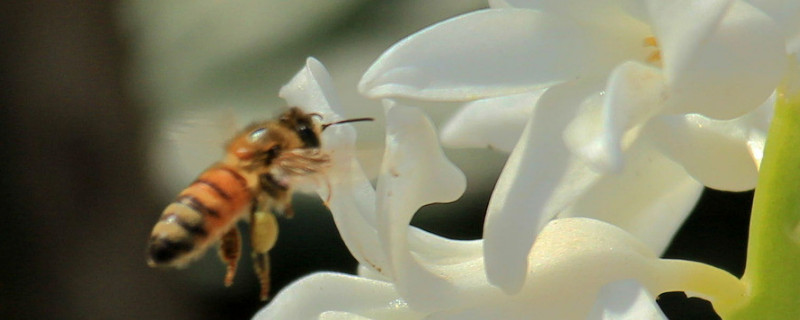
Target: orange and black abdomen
199,216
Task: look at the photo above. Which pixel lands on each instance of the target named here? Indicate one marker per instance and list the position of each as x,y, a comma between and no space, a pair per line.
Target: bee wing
186,147
203,135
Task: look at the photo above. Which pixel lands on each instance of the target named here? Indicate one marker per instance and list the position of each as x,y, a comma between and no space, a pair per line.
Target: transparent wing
184,147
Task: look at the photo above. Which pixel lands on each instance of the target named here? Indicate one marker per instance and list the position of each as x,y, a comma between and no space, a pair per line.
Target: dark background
78,206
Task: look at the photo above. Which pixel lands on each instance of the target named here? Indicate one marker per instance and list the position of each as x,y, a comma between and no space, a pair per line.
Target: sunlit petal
710,59
341,315
315,294
540,179
722,154
634,93
625,300
577,256
500,52
650,206
494,123
759,122
414,173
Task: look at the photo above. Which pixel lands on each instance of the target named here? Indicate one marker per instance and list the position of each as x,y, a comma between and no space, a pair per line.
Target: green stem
773,253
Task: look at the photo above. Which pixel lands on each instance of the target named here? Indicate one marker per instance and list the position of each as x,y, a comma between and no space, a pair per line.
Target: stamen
655,56
650,41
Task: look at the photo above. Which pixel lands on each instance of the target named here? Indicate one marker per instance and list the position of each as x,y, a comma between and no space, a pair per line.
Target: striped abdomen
199,216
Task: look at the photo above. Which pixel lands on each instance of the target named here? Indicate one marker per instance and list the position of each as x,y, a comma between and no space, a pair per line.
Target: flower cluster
615,114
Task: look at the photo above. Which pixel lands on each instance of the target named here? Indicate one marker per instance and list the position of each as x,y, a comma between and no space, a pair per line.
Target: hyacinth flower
411,274
629,108
579,268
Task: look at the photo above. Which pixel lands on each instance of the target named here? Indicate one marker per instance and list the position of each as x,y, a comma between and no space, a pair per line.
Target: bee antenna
346,121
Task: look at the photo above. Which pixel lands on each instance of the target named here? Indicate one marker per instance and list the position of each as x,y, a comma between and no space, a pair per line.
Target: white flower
579,268
646,102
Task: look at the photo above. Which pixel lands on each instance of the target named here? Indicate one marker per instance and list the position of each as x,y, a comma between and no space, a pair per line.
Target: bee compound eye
162,251
307,135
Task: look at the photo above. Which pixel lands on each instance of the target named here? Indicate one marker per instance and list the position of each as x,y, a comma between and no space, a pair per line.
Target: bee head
303,125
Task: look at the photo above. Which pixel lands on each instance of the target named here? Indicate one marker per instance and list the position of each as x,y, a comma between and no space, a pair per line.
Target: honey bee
254,180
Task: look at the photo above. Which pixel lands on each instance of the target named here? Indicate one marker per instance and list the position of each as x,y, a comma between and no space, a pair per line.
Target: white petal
433,249
339,315
786,14
625,300
312,90
759,122
481,54
721,154
352,198
494,123
635,93
369,272
309,297
597,13
573,258
650,206
540,179
577,256
414,173
721,58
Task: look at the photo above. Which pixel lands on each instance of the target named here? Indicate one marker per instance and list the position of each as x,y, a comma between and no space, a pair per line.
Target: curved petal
596,13
572,260
414,173
433,249
634,93
721,154
481,54
721,58
309,297
340,315
625,300
571,264
312,90
540,179
352,198
759,122
650,206
578,256
495,123
786,14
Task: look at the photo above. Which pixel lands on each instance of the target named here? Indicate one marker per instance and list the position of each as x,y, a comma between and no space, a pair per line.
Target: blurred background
92,91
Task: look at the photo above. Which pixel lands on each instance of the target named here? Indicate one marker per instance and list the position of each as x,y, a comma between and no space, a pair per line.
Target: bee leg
230,249
280,195
284,209
264,233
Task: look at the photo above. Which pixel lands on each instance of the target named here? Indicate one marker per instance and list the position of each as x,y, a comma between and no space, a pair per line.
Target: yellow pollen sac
655,56
650,41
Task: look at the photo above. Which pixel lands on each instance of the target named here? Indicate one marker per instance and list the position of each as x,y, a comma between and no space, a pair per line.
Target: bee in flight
254,180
